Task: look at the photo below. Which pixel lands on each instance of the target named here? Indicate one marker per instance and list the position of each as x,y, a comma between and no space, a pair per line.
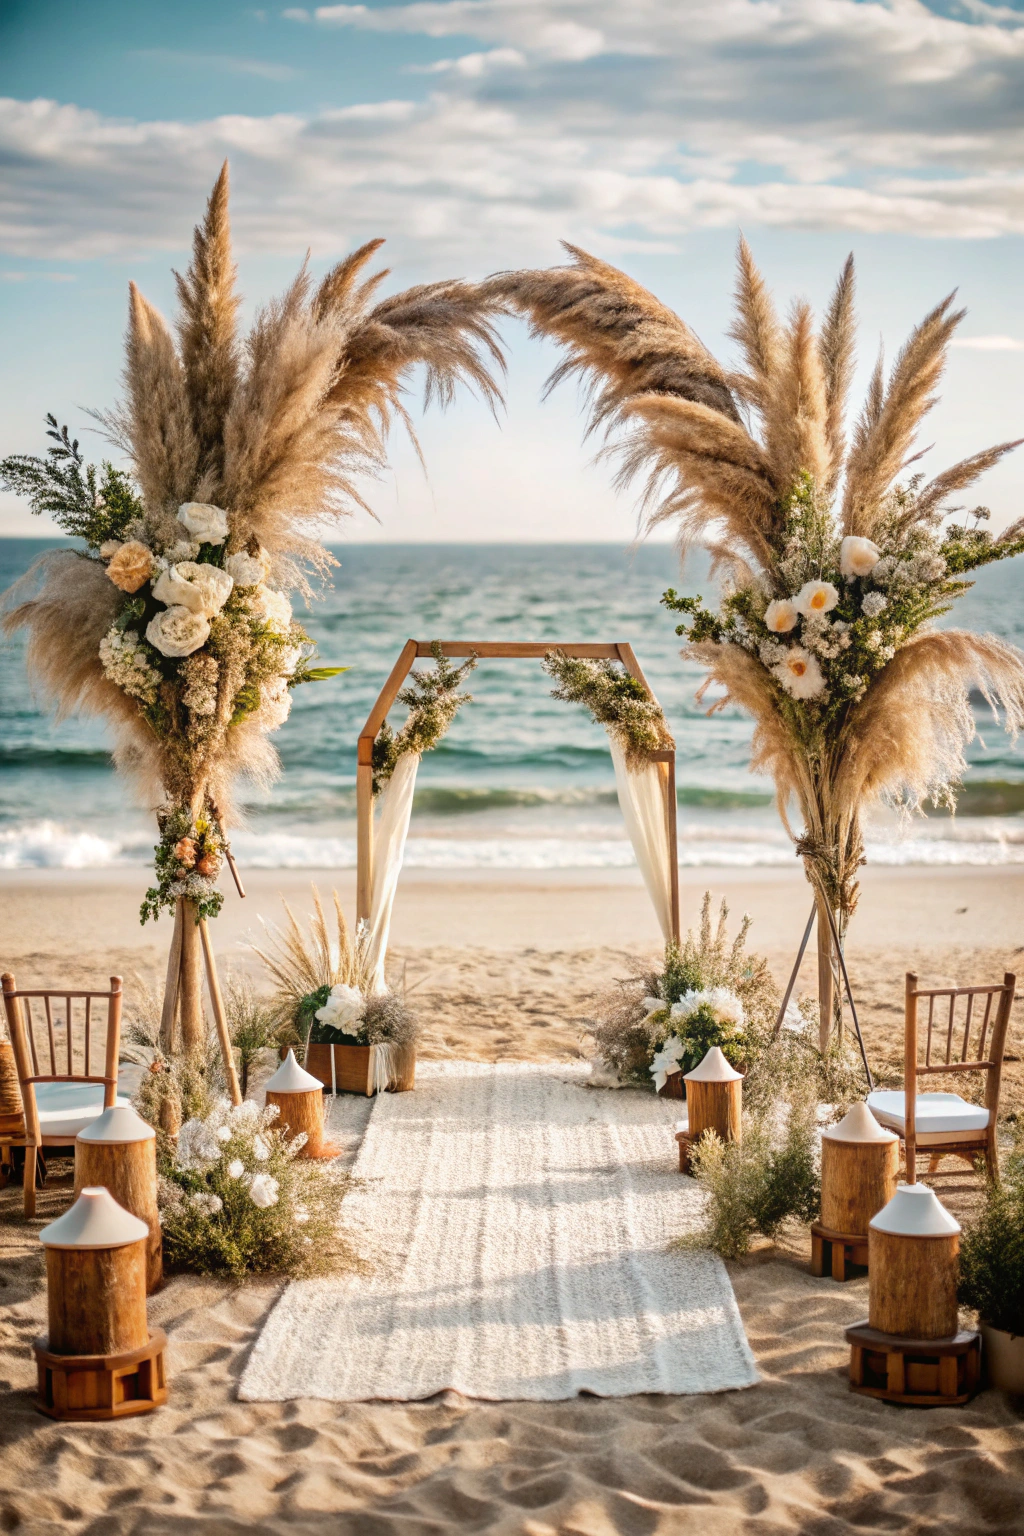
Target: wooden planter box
674,1087
353,1068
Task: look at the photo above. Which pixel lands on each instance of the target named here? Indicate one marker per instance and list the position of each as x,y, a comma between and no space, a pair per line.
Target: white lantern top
94,1221
858,1124
118,1124
291,1078
915,1211
713,1069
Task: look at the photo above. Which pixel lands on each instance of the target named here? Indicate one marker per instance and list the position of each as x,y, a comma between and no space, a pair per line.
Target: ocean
522,781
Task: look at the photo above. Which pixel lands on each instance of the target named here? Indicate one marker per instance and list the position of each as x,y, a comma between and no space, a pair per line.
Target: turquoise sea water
522,781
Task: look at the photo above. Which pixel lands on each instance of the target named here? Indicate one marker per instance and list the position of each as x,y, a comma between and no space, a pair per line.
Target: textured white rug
517,1222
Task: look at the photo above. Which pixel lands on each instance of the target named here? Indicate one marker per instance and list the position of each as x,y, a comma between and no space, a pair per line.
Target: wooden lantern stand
300,1098
714,1099
118,1151
859,1169
910,1349
99,1359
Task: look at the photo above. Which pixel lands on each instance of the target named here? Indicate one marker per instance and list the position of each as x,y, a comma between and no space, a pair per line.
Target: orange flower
185,852
131,567
207,865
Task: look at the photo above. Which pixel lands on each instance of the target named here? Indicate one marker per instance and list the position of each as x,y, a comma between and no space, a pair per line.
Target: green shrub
992,1251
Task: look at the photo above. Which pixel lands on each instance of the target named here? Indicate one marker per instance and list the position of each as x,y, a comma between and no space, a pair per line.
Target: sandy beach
797,1453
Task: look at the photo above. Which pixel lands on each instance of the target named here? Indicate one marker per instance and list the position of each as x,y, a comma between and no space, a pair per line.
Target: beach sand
507,967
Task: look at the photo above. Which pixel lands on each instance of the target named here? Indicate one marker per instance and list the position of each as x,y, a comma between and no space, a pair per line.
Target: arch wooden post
536,650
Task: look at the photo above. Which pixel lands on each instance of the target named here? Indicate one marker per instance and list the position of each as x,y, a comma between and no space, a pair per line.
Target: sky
475,135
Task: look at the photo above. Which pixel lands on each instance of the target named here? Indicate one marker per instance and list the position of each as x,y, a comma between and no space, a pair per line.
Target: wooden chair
944,1124
54,1118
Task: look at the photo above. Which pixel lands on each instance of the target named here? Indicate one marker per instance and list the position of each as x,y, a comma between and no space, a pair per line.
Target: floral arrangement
188,861
709,992
615,699
233,1198
433,700
834,566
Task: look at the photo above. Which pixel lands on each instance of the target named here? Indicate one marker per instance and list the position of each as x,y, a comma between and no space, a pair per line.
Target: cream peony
245,570
815,597
343,1009
274,609
203,588
800,674
858,557
781,615
206,523
178,631
131,566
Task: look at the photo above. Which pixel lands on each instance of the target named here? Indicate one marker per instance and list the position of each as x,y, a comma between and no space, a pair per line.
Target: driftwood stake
219,1016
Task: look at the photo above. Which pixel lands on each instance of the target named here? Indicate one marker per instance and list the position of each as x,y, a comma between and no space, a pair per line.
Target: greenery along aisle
173,621
833,568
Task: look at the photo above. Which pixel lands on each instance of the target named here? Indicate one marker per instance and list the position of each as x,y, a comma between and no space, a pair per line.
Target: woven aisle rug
518,1223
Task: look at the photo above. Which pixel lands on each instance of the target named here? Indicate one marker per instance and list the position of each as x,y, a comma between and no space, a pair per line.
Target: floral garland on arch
174,620
834,566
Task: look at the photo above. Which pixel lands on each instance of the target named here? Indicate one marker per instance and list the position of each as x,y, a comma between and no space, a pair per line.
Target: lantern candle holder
714,1102
859,1169
911,1350
300,1098
99,1359
118,1150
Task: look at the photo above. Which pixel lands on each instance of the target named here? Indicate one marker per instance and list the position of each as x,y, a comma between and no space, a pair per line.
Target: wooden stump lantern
118,1150
12,1111
99,1360
859,1167
300,1098
714,1101
910,1349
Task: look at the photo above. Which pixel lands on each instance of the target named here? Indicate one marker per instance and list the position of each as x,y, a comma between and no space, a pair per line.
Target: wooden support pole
219,1016
172,985
826,975
190,982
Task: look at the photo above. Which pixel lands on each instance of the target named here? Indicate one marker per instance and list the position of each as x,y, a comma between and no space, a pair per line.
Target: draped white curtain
642,801
389,837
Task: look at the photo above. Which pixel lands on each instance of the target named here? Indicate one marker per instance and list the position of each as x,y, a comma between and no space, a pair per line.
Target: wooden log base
674,1087
79,1388
923,1373
833,1252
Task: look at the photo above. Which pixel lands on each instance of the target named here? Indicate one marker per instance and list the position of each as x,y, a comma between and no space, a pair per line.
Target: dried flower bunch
174,621
833,567
433,700
615,699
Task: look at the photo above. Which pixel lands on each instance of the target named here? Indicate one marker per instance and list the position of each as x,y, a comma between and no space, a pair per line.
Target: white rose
178,631
800,674
274,609
203,588
344,1008
245,570
816,597
206,523
858,557
780,616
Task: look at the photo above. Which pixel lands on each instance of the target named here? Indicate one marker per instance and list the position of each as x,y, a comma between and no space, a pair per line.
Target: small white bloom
245,570
207,524
260,1149
726,1006
236,1168
800,674
771,651
273,608
343,1009
263,1191
857,557
275,704
223,1133
653,1005
666,1062
816,597
873,641
203,588
214,1204
301,1215
873,604
109,548
781,615
178,631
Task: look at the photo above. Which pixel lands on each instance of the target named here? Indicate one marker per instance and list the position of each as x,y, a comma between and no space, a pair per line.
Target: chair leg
992,1156
30,1181
933,1162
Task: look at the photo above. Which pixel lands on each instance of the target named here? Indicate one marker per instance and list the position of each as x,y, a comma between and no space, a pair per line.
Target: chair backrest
971,1039
44,1040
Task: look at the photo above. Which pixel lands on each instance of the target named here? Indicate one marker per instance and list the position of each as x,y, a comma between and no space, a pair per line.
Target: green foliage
992,1250
703,624
89,503
615,699
433,699
253,1025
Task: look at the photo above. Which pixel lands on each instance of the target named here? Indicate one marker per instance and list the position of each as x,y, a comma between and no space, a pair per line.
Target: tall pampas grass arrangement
834,563
172,619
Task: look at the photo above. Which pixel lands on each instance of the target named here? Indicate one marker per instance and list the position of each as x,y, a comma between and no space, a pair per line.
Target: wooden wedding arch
521,649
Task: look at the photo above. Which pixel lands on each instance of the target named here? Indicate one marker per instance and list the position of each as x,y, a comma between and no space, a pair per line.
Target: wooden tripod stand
837,951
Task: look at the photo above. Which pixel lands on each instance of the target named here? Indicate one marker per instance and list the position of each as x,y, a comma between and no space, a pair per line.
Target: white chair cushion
940,1117
67,1108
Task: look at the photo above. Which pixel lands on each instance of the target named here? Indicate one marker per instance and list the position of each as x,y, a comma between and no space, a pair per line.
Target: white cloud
989,343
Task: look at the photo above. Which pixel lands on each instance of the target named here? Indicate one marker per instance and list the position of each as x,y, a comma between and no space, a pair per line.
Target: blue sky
474,134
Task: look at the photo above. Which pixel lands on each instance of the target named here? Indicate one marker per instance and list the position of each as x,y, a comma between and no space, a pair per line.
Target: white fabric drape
389,837
642,802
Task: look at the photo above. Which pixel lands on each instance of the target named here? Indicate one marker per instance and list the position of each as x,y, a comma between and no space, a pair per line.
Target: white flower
857,557
301,1215
800,674
245,570
109,548
873,641
771,651
223,1133
343,1009
726,1006
246,1115
260,1149
653,1005
781,615
274,609
214,1204
125,663
203,588
184,549
275,704
236,1168
263,1191
666,1062
872,604
178,631
816,597
206,523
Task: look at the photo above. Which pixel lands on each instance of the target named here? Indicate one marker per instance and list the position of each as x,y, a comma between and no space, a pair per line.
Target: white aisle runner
519,1223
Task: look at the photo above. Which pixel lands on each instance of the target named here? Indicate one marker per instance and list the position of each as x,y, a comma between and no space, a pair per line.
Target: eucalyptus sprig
433,699
90,503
